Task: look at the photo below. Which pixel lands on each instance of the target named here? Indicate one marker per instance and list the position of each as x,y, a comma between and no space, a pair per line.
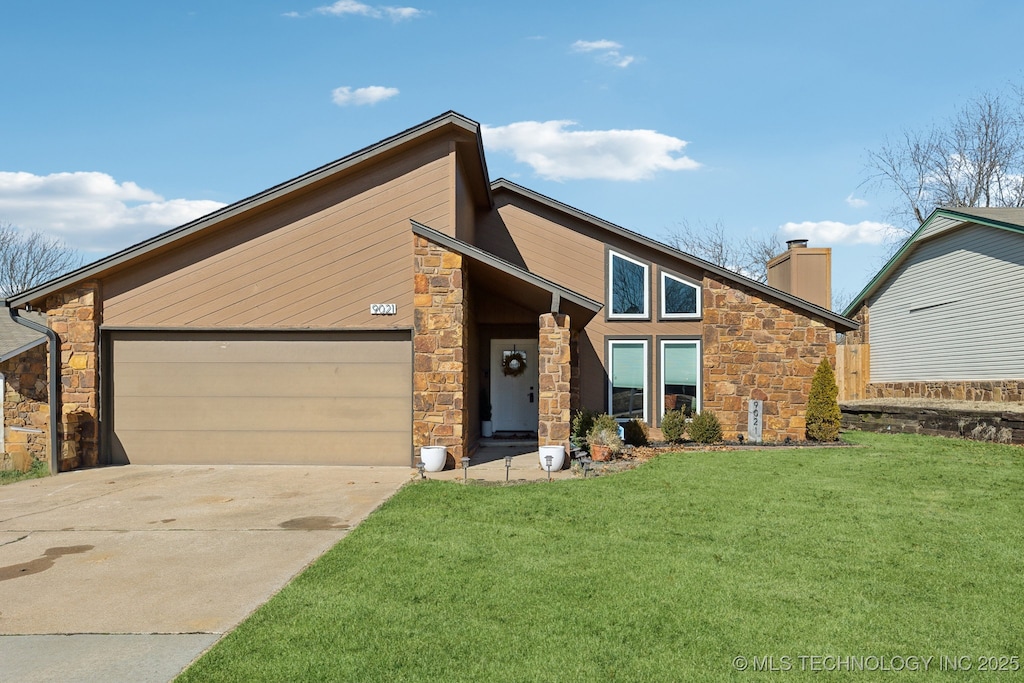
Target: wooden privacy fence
853,370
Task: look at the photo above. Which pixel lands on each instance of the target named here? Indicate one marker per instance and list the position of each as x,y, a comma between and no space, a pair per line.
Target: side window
680,375
627,287
627,372
679,298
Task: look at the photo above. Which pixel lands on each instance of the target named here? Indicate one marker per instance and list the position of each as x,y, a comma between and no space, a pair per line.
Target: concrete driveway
129,573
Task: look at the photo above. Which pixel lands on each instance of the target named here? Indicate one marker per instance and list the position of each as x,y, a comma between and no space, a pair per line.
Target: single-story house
944,318
389,300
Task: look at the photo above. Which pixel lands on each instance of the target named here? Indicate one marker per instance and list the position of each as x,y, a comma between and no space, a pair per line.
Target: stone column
74,315
554,414
439,371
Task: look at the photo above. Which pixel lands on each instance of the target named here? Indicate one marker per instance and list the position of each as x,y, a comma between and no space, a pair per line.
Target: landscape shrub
636,432
673,426
705,428
823,415
582,422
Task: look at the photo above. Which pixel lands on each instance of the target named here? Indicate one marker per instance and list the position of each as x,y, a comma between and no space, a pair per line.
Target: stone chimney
804,272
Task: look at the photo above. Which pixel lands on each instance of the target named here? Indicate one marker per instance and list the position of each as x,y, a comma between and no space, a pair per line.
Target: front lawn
906,547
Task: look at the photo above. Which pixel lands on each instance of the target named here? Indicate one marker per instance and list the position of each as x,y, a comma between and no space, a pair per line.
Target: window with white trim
627,372
627,287
679,298
680,375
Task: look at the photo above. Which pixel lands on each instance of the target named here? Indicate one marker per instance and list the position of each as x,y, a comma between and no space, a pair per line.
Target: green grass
37,470
908,546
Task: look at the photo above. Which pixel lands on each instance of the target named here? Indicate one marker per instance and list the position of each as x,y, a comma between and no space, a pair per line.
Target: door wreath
513,363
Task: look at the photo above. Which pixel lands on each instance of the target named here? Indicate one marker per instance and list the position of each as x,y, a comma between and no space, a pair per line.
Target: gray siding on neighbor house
954,310
936,225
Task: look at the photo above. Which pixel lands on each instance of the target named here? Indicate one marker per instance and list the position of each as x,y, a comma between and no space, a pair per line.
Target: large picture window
679,298
628,287
680,375
627,368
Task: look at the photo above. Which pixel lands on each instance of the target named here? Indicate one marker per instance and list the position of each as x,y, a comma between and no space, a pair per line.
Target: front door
514,389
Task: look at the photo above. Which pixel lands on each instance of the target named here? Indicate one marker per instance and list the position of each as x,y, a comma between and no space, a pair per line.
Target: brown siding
465,211
576,259
752,346
318,260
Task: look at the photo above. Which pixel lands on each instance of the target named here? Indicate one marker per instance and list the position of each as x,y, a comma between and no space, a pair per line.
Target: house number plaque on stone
383,309
755,412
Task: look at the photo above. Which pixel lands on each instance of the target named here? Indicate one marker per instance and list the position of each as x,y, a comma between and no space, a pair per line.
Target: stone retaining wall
977,424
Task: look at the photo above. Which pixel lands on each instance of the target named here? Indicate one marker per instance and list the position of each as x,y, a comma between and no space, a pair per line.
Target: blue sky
123,119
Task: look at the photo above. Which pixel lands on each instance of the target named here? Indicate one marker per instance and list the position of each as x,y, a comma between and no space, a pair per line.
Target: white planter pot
487,429
433,457
557,454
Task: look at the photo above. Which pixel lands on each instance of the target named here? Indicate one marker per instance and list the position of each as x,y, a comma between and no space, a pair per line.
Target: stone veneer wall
861,334
554,365
74,315
26,405
439,364
756,349
979,390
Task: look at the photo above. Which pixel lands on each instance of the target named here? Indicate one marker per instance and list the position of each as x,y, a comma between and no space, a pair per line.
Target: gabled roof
843,324
942,220
16,339
477,166
559,295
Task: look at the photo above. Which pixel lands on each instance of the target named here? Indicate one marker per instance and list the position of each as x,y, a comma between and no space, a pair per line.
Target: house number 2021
383,309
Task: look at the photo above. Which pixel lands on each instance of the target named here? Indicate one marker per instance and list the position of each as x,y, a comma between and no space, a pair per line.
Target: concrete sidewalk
129,573
487,464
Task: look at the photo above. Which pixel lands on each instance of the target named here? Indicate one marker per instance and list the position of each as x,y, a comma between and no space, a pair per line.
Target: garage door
260,398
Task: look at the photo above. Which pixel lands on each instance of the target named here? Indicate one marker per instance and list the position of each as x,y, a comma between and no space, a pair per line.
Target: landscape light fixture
548,459
465,468
508,465
586,460
422,469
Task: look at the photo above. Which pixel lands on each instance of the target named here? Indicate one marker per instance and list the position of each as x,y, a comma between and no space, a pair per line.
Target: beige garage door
260,398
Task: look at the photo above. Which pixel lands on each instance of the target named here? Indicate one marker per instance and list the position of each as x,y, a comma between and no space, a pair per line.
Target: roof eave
897,259
490,259
375,150
839,320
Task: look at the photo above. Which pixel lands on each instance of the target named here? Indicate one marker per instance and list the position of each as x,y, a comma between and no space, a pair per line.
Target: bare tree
29,259
975,159
748,256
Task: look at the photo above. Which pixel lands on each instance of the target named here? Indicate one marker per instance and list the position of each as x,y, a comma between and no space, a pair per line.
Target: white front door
514,396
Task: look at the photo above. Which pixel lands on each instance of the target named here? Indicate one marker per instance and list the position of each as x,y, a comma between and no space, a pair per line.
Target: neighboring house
944,318
373,305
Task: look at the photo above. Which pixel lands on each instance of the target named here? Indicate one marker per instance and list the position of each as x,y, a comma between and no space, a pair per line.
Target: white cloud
352,7
856,202
91,211
834,232
607,52
591,45
559,154
402,13
373,94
